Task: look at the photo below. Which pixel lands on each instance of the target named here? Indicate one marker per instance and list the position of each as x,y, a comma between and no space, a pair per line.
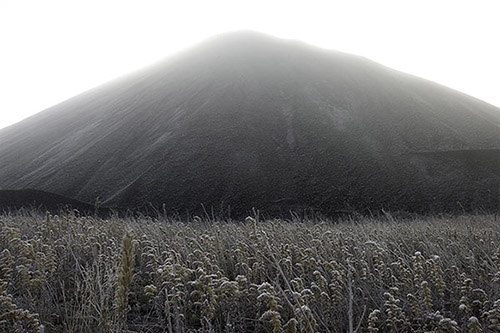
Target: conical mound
248,121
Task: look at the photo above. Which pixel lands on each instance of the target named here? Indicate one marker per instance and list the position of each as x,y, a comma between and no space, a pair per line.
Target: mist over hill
245,120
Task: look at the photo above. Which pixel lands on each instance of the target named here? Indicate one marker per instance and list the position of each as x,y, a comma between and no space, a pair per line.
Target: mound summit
246,120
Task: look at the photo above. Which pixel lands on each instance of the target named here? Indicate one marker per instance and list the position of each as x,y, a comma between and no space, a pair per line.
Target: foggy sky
52,50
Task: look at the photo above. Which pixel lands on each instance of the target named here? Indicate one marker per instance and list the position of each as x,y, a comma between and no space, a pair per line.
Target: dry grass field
71,273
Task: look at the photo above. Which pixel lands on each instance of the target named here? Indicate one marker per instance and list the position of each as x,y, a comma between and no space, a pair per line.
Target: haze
52,50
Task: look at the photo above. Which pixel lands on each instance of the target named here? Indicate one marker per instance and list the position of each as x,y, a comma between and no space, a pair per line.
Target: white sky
51,50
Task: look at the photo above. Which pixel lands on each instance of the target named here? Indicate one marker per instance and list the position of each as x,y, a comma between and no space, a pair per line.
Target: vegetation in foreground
83,274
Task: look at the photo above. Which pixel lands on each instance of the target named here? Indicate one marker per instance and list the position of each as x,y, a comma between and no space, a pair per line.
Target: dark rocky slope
246,120
13,200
